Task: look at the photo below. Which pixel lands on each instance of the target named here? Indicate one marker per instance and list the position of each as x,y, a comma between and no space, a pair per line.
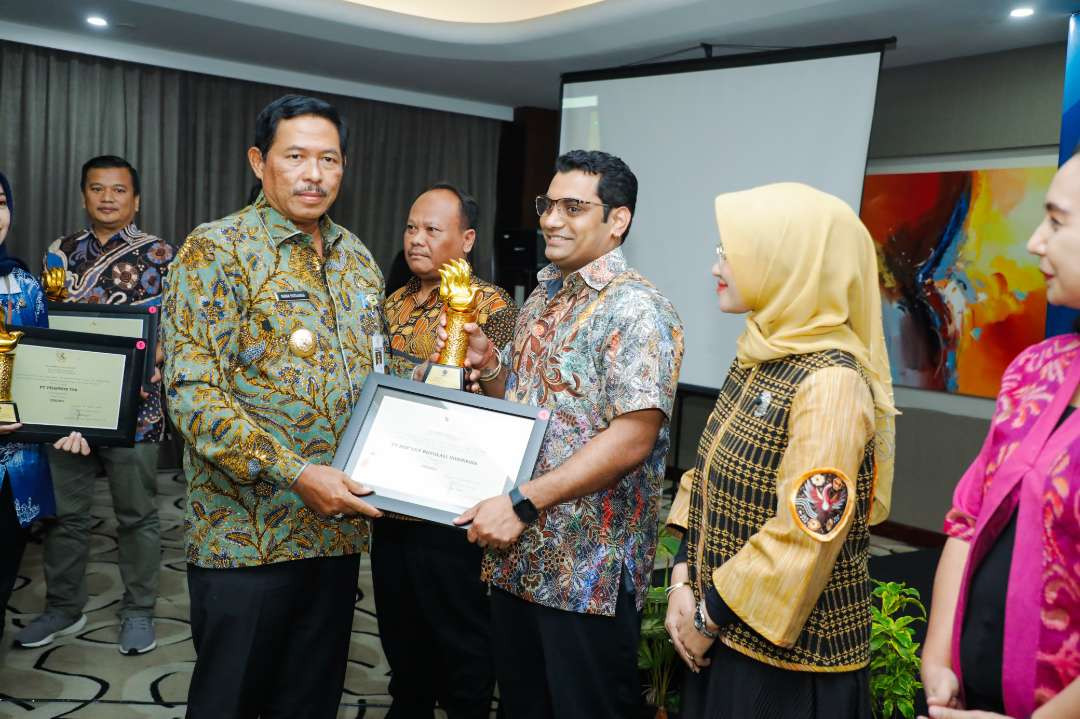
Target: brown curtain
188,133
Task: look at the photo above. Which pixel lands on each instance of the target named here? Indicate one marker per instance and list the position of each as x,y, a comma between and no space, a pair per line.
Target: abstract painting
961,296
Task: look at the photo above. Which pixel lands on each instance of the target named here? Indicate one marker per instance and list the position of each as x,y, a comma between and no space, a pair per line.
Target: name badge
378,357
292,296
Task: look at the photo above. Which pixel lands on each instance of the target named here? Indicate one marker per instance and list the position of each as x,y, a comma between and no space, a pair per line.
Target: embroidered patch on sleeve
822,502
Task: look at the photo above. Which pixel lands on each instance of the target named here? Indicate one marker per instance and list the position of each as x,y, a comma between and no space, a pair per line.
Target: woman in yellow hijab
770,598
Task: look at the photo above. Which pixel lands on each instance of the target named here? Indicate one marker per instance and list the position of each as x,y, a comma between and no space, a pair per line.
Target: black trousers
271,641
434,619
13,538
551,663
734,686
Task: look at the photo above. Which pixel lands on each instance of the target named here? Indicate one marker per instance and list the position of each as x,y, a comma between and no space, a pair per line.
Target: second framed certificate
431,452
135,321
64,381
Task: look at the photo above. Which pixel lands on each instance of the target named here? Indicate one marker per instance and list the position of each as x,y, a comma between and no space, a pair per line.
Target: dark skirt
735,686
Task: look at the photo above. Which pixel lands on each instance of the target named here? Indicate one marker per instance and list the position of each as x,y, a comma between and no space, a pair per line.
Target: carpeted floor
85,676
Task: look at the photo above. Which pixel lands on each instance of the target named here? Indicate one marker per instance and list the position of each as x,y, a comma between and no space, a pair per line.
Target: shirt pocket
360,315
362,299
280,341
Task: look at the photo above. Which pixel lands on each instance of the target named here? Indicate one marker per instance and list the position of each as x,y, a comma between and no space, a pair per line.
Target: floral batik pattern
412,326
600,344
1049,552
24,464
254,410
128,269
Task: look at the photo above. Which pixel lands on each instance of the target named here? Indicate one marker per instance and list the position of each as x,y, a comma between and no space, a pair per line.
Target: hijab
8,263
807,267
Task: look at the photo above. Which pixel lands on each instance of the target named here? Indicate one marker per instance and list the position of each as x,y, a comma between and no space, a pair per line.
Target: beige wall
986,102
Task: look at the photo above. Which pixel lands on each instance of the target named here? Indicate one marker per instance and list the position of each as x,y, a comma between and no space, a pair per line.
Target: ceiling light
479,11
1022,12
97,21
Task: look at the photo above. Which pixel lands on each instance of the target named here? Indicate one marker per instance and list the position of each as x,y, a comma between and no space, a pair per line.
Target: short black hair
469,212
287,107
617,186
107,162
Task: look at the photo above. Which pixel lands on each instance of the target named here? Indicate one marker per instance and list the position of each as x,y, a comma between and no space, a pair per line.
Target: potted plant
894,654
656,655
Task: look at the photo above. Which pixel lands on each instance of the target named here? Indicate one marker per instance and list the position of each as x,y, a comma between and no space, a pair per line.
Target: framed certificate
431,452
138,322
64,381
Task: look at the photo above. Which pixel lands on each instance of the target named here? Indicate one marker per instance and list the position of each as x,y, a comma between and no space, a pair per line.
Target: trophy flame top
8,340
53,282
456,288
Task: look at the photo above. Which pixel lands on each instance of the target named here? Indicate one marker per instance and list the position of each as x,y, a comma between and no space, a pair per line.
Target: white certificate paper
67,388
441,455
115,326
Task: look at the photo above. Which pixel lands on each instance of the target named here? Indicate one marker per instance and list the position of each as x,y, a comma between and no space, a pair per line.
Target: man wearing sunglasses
570,553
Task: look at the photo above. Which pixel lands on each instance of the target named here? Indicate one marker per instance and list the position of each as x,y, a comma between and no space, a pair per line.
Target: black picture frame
377,385
149,314
123,435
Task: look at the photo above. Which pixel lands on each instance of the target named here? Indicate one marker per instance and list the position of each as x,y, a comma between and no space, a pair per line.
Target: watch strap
699,623
523,506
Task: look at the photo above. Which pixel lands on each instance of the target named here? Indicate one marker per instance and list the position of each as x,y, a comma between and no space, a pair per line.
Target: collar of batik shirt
281,228
128,234
597,274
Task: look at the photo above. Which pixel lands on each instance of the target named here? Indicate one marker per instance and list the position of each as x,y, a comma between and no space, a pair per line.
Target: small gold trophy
9,413
53,282
459,298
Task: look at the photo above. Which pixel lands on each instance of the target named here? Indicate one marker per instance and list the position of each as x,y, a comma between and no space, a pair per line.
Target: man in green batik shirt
271,322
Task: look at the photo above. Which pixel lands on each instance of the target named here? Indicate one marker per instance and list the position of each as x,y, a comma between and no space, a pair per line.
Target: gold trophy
9,413
53,282
459,298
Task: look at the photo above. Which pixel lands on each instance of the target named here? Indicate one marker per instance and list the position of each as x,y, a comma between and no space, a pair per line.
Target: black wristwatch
523,506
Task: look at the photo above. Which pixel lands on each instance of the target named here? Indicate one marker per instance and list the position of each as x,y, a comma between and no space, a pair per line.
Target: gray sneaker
137,635
47,627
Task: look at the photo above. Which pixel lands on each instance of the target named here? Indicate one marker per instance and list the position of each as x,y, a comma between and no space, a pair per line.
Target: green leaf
894,661
667,546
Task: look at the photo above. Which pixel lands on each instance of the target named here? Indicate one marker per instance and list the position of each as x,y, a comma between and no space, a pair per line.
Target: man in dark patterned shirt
432,607
111,262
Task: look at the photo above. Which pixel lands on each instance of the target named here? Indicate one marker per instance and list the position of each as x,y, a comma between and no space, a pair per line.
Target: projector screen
689,136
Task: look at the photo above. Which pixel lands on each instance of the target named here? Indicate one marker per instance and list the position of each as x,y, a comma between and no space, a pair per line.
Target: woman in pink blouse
1004,634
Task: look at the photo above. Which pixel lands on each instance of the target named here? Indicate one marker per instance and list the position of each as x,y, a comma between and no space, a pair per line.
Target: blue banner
1059,320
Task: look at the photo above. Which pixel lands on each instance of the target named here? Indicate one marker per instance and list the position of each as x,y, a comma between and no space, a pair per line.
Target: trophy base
444,375
9,413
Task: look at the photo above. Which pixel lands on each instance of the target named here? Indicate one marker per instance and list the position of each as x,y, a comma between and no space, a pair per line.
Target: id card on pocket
378,355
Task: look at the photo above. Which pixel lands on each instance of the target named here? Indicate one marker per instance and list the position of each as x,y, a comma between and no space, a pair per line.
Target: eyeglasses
569,207
721,256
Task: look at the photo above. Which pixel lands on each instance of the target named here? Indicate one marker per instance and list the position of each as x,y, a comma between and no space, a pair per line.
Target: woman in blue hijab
25,485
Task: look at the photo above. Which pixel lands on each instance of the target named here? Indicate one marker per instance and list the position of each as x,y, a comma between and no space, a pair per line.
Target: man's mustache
310,188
